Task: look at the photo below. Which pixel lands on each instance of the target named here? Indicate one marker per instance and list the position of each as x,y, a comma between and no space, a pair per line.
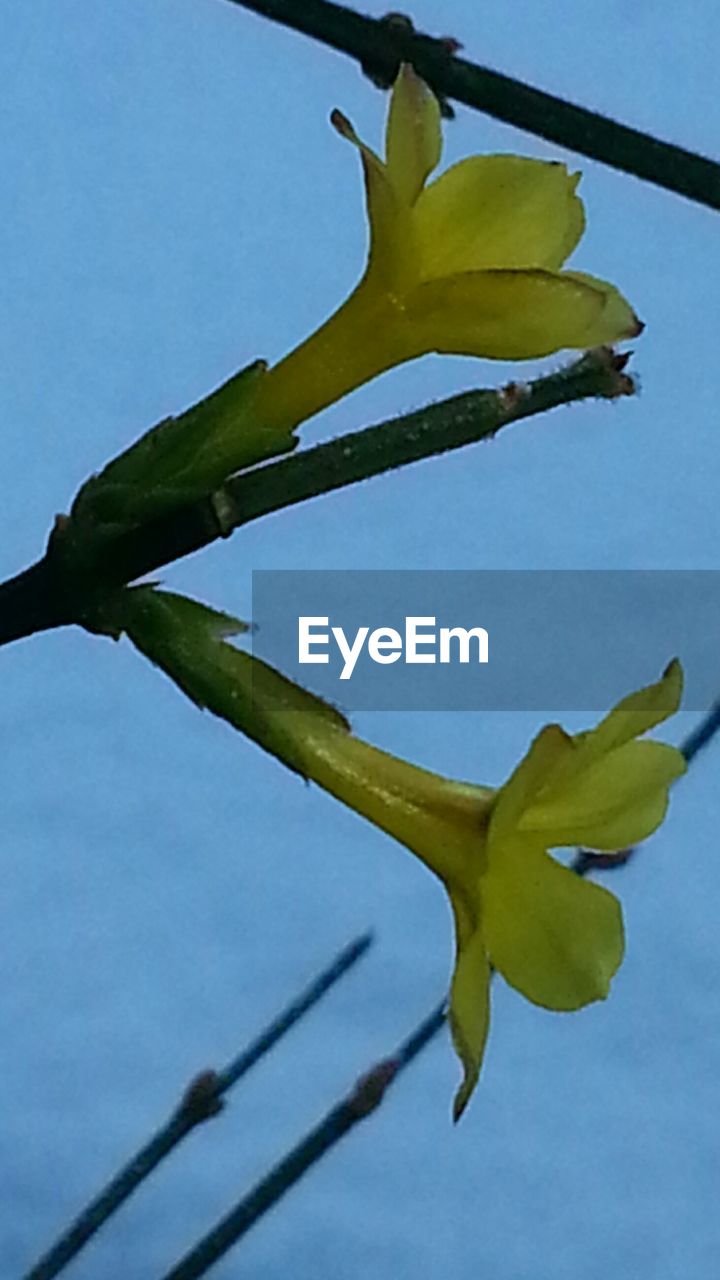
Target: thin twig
380,46
45,596
702,734
201,1100
362,1100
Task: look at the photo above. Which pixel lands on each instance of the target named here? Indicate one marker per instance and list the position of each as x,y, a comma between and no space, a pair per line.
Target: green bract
182,459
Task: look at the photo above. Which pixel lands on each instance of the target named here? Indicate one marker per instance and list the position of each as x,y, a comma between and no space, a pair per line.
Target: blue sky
174,204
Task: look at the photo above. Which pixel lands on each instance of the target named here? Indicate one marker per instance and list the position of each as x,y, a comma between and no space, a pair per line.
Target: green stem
46,596
429,432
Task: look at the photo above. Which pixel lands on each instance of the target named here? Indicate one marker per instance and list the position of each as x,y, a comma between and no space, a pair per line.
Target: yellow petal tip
343,126
471,1075
461,1099
408,73
670,687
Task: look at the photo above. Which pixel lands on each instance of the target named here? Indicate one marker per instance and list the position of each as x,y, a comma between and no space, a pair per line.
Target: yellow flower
556,938
469,264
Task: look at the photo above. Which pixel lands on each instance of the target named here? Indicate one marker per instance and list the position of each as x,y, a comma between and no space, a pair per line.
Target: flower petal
389,220
413,139
498,211
542,761
513,315
618,316
599,788
631,717
556,938
469,1012
616,801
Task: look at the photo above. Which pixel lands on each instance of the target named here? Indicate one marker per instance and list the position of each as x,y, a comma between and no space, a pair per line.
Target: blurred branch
364,1098
201,1101
379,45
46,595
702,734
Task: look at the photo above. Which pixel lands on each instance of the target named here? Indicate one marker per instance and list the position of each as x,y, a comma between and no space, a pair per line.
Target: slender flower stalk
356,344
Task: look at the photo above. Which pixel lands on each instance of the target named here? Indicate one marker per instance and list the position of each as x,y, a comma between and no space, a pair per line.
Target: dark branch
362,1100
48,595
380,46
201,1100
702,734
